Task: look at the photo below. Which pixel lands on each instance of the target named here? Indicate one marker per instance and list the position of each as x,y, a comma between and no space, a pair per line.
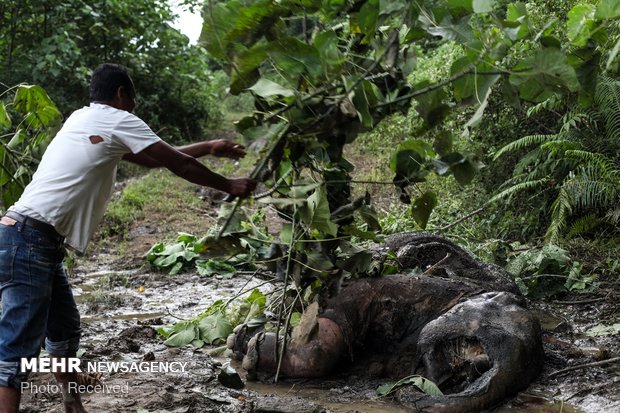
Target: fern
583,158
560,210
525,142
524,186
607,98
583,224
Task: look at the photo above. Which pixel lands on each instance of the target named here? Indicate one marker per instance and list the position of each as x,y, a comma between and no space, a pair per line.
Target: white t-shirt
75,178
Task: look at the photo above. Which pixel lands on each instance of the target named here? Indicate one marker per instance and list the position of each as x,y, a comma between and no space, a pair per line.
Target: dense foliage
322,72
30,119
57,43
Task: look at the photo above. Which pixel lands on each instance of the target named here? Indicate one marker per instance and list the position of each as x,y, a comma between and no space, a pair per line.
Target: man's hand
226,149
241,187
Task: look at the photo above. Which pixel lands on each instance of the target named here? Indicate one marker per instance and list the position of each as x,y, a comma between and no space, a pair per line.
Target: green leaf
483,6
431,105
36,105
608,9
264,134
183,333
358,263
214,328
459,31
410,158
364,97
612,55
367,19
316,213
465,4
266,88
5,120
423,207
295,57
327,45
17,139
212,267
424,384
246,64
581,24
516,13
543,74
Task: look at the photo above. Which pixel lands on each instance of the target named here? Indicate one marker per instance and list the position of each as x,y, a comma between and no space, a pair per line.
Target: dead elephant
461,324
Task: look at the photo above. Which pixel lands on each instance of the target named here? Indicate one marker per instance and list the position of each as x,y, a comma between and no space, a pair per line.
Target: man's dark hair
106,80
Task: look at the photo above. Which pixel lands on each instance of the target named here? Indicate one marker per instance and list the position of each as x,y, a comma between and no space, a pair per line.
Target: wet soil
122,301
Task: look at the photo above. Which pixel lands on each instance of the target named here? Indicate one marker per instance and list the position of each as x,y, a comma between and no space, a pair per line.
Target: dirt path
123,300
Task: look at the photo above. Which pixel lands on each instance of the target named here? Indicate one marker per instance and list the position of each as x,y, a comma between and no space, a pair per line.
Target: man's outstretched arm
217,147
187,167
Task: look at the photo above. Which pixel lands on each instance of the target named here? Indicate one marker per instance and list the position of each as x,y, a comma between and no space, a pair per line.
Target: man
63,205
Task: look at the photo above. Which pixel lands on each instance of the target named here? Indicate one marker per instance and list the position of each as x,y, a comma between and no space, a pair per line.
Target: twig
463,218
287,274
583,366
174,316
436,86
432,267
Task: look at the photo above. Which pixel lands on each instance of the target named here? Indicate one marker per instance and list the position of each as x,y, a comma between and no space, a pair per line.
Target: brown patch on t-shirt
94,139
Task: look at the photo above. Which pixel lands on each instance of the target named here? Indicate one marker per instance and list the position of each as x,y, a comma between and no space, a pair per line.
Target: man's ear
121,92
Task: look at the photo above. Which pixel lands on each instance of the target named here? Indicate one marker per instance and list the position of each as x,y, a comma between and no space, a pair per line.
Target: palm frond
583,224
524,186
560,211
525,142
552,103
562,145
607,97
613,216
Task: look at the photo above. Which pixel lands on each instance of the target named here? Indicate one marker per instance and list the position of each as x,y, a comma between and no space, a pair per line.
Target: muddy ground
122,300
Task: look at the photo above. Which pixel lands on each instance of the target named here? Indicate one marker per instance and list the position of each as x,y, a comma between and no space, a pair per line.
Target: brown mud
121,312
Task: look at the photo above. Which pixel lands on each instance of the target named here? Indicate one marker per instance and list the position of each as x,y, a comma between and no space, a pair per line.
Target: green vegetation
57,43
27,123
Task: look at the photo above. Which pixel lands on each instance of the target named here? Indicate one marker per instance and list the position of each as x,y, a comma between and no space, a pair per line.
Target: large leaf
39,109
423,207
267,88
517,23
316,213
214,328
543,74
409,160
483,6
182,334
238,23
366,20
245,66
424,384
295,57
327,45
464,4
608,9
459,31
431,105
5,120
462,166
581,24
474,87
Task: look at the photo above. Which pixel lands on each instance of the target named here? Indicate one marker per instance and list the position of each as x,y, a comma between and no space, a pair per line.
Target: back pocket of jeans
7,260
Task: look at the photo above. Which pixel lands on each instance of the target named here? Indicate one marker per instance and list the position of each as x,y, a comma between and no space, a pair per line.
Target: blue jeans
37,302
